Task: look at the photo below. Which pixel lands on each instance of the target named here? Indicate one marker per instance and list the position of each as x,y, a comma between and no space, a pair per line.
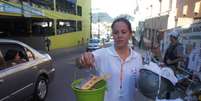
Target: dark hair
10,54
122,19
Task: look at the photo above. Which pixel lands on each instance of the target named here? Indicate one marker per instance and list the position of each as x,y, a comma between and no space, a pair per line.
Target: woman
119,60
14,57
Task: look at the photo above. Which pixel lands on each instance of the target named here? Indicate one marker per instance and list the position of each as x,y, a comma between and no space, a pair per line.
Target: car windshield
94,41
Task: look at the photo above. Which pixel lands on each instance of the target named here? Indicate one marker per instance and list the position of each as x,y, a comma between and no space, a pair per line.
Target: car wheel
41,89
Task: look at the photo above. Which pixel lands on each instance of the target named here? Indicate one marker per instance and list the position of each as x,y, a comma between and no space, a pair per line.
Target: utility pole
55,21
160,1
151,9
152,28
98,26
54,3
160,7
90,24
160,26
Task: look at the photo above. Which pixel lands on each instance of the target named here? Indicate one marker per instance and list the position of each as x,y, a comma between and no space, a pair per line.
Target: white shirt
108,62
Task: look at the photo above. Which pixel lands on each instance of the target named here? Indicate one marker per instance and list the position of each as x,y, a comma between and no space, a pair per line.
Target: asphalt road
66,72
64,61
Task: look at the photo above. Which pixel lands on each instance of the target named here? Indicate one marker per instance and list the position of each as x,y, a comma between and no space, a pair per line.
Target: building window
71,8
177,11
26,27
79,25
61,6
185,10
42,28
79,10
65,26
66,6
197,7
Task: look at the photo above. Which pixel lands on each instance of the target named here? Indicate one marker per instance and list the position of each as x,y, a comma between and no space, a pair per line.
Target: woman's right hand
87,59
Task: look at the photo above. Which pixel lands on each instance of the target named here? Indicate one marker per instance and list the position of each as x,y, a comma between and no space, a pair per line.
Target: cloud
114,7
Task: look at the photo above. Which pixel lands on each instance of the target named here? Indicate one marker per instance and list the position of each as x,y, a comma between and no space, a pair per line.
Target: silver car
93,44
24,72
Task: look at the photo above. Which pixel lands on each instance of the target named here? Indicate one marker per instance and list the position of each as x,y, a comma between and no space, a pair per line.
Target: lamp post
98,26
160,7
160,26
152,28
55,21
90,14
54,3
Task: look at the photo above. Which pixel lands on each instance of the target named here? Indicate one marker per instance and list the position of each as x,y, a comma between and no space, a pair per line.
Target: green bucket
96,94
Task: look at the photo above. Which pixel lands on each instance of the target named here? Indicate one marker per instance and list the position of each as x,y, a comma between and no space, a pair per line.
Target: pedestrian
48,43
82,41
141,42
174,53
118,60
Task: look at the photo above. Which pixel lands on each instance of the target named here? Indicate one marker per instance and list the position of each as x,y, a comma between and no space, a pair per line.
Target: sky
114,7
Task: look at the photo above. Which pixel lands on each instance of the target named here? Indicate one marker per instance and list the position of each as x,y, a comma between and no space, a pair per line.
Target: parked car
28,78
93,44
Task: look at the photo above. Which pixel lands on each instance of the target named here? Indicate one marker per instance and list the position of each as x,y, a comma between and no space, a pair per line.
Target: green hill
101,17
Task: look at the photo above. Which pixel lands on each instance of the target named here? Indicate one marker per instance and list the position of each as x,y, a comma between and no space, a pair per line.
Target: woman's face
121,34
17,57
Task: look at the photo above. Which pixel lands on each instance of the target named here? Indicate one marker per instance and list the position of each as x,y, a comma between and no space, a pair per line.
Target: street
59,89
66,72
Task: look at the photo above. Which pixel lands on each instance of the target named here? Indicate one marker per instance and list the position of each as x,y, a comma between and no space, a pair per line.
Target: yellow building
65,22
